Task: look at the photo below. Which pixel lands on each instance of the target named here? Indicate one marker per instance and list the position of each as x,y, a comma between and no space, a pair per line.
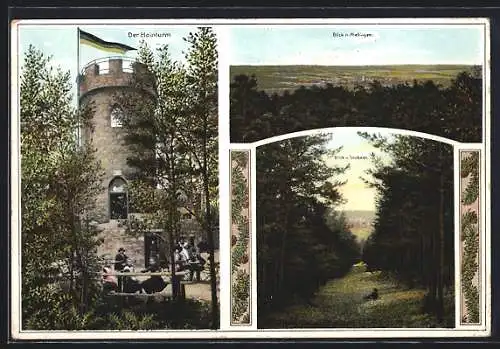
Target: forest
453,112
304,242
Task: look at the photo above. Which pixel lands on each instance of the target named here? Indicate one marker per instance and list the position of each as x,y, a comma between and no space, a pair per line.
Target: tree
247,107
59,180
413,230
454,112
172,135
200,134
415,188
298,247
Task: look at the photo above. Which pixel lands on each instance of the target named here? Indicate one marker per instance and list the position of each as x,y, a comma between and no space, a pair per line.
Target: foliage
470,237
201,134
241,295
59,180
239,201
118,314
130,321
470,167
413,234
171,125
340,304
297,250
413,238
453,112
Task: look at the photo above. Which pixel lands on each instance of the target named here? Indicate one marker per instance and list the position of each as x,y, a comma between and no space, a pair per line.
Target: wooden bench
179,288
181,293
136,273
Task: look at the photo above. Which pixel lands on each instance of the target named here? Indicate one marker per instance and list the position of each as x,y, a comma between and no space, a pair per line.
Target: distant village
273,79
348,81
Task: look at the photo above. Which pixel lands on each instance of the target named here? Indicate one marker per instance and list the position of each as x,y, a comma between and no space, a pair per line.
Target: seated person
120,259
155,283
130,283
109,282
372,296
181,261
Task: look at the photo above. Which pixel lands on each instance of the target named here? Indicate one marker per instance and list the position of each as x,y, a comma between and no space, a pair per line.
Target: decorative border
470,228
240,239
466,331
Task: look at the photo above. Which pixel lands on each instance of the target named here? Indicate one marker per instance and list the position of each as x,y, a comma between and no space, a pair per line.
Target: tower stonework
101,81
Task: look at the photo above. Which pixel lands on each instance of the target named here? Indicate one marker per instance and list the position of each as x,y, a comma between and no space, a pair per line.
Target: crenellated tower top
113,72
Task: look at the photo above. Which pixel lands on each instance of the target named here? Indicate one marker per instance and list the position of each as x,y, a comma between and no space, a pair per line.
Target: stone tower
99,84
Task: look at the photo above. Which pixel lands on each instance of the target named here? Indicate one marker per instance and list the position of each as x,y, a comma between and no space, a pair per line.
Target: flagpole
78,82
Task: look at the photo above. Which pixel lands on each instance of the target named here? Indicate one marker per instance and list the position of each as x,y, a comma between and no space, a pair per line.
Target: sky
334,45
61,41
355,152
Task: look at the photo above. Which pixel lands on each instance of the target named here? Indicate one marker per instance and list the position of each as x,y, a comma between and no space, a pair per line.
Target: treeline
301,241
454,112
413,237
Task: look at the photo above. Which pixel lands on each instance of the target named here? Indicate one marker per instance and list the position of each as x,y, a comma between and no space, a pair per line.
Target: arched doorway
118,199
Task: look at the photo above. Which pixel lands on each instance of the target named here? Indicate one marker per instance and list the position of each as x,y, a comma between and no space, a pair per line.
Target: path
200,290
340,304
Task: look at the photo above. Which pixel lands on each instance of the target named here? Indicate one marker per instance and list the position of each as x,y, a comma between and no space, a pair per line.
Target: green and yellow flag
92,40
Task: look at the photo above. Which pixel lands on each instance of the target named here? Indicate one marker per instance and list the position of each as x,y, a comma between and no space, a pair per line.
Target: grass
280,78
340,304
361,233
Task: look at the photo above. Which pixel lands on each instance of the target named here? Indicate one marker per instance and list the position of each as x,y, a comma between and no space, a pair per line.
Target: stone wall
100,89
110,148
115,237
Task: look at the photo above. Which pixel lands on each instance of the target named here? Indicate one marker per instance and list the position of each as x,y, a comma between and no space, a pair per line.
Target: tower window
116,116
118,199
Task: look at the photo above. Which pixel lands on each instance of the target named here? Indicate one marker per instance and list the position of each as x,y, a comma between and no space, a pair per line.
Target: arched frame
118,205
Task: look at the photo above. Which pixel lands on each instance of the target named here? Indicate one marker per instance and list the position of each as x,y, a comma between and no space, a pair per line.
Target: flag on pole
92,40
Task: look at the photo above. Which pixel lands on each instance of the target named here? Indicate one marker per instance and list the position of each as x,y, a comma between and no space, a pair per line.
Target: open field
360,223
361,233
288,77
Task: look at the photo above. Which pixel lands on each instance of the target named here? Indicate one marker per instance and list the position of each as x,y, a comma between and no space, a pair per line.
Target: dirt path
202,291
340,304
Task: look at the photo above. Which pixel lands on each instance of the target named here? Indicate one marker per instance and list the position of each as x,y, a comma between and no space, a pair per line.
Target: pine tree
297,250
173,139
59,181
200,135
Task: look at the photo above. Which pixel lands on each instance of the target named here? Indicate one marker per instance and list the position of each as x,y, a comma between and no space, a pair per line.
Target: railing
103,63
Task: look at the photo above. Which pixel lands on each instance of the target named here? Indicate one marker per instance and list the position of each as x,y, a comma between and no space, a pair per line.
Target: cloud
356,46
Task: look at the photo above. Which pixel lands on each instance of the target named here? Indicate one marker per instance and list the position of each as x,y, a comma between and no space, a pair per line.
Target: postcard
214,179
